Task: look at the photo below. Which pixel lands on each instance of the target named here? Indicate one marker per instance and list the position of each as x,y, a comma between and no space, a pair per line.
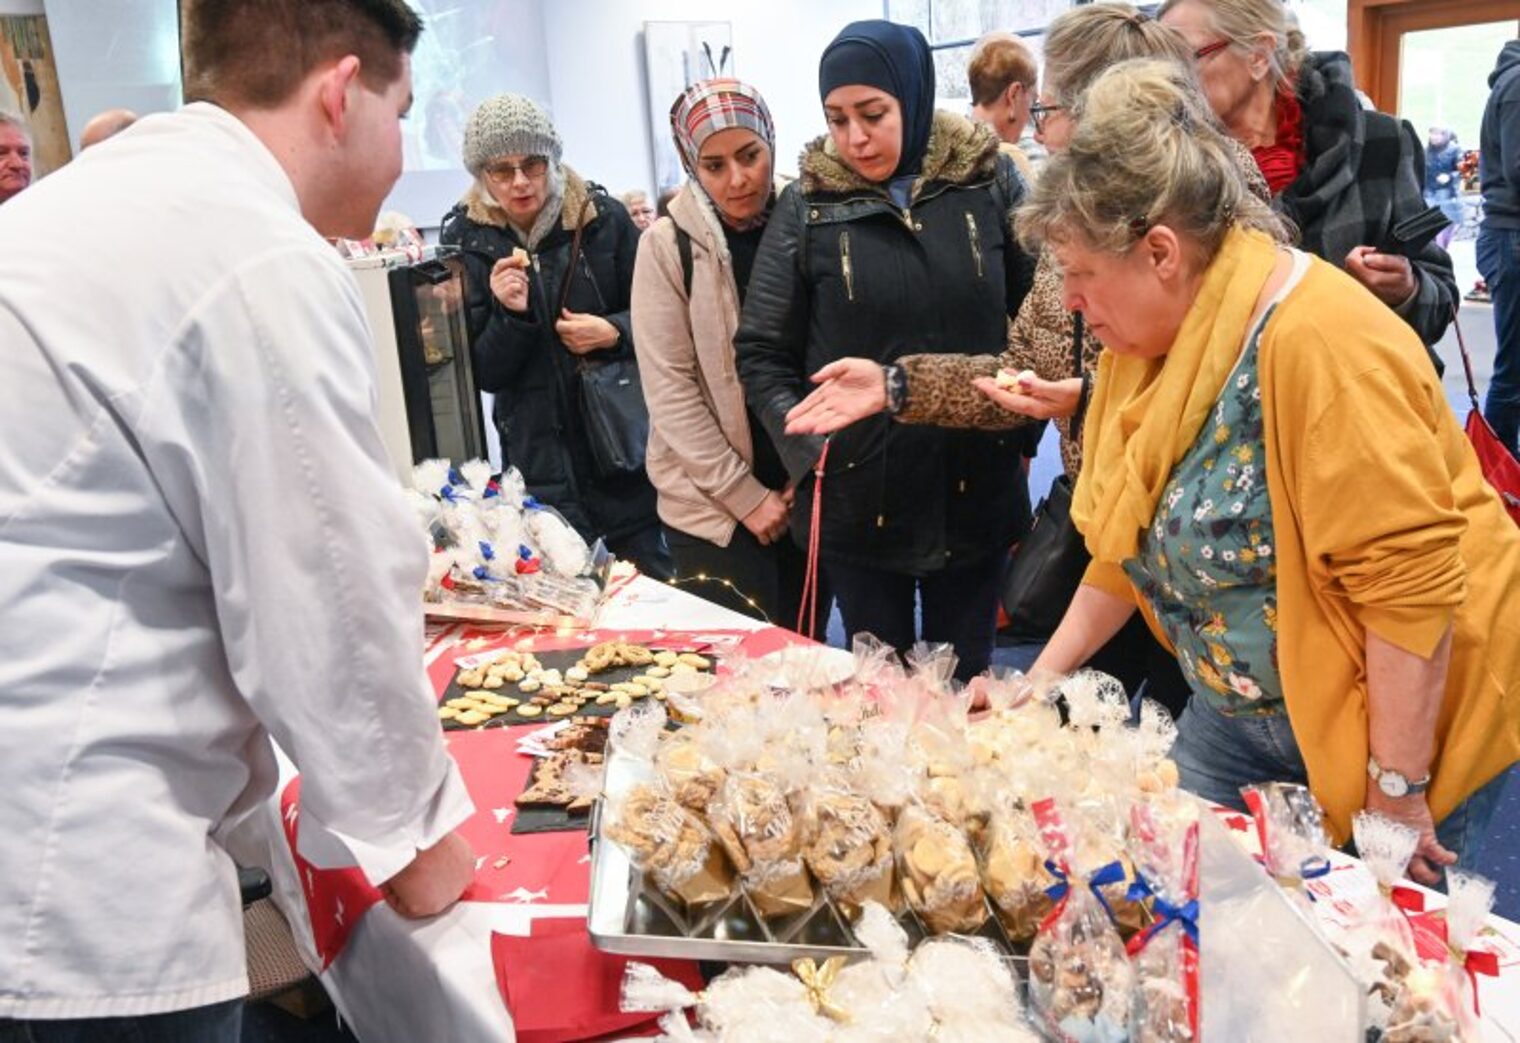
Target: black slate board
560,660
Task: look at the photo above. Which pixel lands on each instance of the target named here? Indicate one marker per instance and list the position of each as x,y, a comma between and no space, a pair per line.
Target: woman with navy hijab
895,239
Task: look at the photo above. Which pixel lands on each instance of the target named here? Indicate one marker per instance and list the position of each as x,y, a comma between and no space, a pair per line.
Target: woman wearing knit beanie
895,239
723,491
517,226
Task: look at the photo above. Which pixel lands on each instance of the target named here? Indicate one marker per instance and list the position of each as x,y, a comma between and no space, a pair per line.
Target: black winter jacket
520,359
1499,158
1364,173
843,272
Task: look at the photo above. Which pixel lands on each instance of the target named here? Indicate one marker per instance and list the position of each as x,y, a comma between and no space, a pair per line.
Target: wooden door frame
1375,28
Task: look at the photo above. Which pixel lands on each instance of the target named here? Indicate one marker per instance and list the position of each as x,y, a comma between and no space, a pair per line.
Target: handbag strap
575,257
807,608
1472,386
1080,416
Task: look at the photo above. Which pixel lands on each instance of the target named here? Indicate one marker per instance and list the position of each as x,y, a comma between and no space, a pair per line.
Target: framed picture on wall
676,55
29,87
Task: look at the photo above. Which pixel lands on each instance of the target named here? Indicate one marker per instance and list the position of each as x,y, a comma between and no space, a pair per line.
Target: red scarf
1281,161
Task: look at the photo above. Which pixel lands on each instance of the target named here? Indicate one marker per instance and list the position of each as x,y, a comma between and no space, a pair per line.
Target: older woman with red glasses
1344,175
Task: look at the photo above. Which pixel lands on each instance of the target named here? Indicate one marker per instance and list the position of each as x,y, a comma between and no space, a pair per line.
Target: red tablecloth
559,987
548,868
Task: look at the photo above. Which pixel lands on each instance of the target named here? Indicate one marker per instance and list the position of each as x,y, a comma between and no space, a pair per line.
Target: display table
402,980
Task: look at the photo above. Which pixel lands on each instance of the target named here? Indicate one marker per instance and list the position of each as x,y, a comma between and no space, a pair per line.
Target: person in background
104,125
205,544
960,391
724,494
1342,174
662,206
636,201
1002,77
1443,181
1499,238
517,226
15,155
1272,472
894,239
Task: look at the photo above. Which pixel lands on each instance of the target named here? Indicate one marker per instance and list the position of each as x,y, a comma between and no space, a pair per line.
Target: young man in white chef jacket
201,542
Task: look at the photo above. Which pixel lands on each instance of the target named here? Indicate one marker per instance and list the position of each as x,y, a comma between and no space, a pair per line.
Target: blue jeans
1217,755
218,1023
1499,264
959,607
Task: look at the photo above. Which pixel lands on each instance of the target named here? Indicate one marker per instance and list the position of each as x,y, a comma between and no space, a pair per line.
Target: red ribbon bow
1474,961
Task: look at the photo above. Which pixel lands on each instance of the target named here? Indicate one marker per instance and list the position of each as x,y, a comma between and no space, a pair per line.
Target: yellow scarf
1146,413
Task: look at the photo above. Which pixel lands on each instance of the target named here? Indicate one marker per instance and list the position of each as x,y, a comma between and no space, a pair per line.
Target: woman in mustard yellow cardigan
1274,478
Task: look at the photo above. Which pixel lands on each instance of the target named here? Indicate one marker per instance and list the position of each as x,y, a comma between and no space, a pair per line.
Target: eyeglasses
1039,111
504,173
1213,48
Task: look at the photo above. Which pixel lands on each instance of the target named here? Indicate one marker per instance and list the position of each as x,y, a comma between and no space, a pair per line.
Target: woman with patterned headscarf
723,492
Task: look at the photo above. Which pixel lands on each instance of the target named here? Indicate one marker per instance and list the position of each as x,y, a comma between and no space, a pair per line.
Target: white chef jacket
201,545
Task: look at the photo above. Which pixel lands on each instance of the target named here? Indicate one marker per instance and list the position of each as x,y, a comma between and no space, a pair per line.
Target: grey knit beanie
509,125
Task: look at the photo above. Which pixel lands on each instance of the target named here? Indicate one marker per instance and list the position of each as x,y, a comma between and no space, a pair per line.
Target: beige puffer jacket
700,450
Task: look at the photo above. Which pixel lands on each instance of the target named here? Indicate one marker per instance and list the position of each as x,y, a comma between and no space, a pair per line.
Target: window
952,27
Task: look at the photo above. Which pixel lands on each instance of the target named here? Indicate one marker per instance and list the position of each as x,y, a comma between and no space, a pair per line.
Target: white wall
477,48
596,73
583,58
110,53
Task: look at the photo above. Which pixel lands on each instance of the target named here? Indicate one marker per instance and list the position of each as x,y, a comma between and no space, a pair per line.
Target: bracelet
897,387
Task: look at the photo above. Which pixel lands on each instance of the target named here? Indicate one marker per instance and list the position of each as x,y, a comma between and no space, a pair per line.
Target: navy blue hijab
892,58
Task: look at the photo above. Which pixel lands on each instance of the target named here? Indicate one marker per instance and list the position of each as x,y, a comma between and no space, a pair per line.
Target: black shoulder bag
611,395
1045,570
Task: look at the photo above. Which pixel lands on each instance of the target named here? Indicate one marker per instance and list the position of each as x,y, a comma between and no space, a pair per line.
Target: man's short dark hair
255,53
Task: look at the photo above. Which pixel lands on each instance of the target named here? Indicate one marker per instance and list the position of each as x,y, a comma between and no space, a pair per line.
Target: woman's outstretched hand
848,390
1030,396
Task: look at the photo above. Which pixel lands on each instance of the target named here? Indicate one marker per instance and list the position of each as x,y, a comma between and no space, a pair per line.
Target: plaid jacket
1364,173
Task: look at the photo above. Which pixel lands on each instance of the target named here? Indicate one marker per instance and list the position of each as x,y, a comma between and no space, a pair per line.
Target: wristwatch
897,387
1394,783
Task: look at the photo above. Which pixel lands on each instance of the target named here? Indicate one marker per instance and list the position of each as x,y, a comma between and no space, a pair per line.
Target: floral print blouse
1205,565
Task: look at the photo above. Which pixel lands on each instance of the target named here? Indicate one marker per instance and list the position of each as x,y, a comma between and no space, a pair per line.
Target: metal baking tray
627,915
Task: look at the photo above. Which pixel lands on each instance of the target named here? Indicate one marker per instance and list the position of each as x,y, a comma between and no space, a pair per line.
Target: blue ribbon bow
487,551
447,493
1166,912
1113,873
455,478
530,503
524,552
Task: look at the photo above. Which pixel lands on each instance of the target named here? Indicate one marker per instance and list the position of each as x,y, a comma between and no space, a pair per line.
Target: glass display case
428,404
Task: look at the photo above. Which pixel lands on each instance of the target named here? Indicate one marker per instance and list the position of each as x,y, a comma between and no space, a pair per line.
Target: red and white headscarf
709,106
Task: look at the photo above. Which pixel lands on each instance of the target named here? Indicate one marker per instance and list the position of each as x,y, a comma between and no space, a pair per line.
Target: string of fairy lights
680,582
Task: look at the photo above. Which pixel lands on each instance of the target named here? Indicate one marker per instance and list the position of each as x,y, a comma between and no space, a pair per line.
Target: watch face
1393,784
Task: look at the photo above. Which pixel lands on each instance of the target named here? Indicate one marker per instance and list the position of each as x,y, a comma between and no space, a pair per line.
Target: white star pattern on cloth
522,896
501,814
583,860
480,862
291,813
311,881
338,912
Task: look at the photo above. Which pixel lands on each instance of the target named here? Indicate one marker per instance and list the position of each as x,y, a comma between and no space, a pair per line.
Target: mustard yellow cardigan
1383,522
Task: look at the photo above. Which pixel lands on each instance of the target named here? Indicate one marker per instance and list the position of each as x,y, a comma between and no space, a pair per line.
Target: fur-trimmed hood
482,209
960,152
